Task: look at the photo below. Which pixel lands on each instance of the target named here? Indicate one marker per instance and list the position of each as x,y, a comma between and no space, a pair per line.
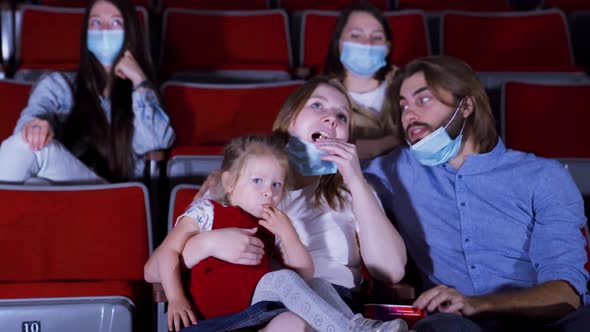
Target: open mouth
318,135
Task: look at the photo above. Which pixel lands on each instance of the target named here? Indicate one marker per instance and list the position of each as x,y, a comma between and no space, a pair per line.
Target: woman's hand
37,133
277,222
210,184
180,314
344,155
233,245
128,69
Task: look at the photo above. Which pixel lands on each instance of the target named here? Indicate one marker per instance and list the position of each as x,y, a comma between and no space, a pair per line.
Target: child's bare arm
164,266
295,255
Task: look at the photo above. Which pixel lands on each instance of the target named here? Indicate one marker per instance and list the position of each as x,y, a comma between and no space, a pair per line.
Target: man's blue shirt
505,220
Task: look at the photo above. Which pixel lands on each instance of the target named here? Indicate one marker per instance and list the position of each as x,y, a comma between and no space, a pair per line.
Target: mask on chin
438,147
305,158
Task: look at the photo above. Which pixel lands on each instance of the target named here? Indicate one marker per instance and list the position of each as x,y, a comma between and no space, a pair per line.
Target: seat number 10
32,326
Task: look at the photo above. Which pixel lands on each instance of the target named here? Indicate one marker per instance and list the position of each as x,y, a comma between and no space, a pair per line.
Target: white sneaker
362,324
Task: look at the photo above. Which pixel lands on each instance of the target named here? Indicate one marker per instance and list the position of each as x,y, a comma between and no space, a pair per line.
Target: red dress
220,288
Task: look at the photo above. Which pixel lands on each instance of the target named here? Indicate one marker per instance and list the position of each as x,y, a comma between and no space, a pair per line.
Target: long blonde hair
331,188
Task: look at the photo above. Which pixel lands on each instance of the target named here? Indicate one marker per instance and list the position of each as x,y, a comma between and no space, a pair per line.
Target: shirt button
460,176
467,240
473,267
462,203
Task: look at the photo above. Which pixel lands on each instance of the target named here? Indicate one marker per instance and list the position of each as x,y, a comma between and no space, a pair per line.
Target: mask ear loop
455,114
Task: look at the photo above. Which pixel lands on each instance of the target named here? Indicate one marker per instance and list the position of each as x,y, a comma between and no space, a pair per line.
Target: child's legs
287,287
327,292
18,163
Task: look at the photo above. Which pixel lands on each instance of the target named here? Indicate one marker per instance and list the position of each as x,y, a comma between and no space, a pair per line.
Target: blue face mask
105,44
305,157
363,60
438,147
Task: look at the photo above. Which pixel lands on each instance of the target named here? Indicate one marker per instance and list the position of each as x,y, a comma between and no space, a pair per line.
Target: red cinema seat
440,5
217,4
84,3
410,38
210,46
299,5
549,120
14,96
519,45
49,39
206,116
73,257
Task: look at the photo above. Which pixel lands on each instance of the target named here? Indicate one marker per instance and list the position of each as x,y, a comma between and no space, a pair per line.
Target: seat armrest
158,294
156,155
401,293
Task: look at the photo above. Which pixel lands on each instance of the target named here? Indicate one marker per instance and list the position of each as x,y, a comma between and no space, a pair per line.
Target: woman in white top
359,52
337,216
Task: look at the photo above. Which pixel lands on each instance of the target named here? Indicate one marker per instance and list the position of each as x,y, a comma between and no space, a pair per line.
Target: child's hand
277,223
180,314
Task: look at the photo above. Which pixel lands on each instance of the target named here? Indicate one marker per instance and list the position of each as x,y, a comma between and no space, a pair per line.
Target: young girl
360,49
254,172
94,125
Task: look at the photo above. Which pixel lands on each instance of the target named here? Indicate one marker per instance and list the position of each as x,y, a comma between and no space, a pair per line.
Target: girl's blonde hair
331,188
240,149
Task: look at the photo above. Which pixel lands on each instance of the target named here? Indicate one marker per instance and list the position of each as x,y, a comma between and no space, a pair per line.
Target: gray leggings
316,301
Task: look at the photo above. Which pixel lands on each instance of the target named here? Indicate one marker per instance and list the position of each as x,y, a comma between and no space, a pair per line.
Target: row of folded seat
299,5
267,45
548,119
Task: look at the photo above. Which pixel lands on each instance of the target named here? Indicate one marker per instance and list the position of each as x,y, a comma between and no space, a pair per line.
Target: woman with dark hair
359,53
94,125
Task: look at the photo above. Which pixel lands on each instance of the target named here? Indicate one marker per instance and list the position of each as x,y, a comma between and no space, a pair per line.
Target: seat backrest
213,114
74,233
217,4
567,5
410,38
299,5
84,3
49,37
511,42
180,198
218,40
549,120
440,5
14,96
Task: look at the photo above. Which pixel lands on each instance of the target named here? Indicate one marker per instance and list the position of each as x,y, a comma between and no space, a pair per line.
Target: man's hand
449,300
